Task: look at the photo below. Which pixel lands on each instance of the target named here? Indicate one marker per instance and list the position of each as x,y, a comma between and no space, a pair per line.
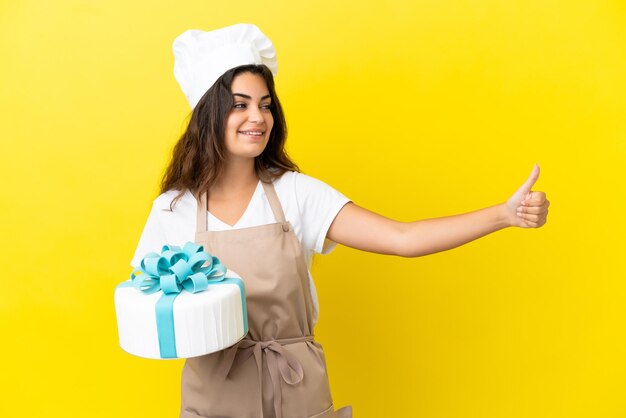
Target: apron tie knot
279,361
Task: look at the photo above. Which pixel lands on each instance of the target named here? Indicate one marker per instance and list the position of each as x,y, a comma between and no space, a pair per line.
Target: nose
255,115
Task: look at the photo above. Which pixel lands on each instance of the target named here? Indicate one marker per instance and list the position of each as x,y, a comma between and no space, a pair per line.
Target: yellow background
413,110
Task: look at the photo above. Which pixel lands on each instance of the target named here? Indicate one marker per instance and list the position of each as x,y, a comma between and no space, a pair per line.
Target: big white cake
204,322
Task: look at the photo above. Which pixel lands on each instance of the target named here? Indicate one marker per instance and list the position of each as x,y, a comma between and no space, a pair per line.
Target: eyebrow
245,96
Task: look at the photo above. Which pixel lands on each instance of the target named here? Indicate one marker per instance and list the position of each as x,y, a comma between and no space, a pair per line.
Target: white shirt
310,205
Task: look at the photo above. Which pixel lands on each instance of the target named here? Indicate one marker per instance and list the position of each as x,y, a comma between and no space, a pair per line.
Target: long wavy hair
198,158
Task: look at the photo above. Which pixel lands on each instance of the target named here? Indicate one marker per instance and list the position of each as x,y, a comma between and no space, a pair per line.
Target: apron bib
278,370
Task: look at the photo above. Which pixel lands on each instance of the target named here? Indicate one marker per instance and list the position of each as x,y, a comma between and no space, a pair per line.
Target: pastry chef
232,188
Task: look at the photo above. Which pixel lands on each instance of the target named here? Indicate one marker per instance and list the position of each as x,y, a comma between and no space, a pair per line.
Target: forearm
439,234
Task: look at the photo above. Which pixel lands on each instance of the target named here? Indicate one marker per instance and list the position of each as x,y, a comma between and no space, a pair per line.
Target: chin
244,154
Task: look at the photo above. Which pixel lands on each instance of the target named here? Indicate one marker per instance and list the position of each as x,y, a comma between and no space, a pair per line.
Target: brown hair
198,158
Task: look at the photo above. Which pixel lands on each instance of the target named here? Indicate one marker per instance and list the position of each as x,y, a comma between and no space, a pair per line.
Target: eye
266,106
239,105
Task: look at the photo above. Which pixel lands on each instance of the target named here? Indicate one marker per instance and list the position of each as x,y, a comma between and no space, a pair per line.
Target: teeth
255,133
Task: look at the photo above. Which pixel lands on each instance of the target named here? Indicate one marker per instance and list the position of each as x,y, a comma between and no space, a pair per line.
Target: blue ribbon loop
190,268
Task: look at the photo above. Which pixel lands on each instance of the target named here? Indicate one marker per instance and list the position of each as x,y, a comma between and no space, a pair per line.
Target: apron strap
202,215
270,192
272,197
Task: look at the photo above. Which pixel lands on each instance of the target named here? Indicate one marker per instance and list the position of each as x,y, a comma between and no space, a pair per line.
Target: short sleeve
318,204
151,240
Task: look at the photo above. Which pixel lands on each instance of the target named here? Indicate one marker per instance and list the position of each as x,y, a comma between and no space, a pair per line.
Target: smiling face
250,121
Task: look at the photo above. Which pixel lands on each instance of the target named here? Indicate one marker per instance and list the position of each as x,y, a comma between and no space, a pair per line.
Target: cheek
232,123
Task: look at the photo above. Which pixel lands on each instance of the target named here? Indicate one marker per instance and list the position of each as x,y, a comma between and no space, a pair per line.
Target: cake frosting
204,322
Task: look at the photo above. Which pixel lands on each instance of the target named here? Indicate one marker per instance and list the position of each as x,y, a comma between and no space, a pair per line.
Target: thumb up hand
527,208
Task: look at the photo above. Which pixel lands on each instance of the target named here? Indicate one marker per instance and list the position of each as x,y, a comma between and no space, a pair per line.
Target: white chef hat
200,58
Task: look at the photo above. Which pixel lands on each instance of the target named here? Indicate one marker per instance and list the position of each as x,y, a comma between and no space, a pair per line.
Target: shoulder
178,222
164,201
311,205
299,182
172,213
310,197
167,226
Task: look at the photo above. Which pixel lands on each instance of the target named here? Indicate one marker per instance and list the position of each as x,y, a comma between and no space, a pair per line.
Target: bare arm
362,229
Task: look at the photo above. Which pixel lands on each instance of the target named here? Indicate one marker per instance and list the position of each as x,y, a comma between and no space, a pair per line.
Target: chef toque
200,58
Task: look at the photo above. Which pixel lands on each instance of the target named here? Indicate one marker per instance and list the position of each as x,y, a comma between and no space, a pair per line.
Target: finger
534,199
529,224
536,210
524,190
532,179
536,196
533,221
529,217
537,224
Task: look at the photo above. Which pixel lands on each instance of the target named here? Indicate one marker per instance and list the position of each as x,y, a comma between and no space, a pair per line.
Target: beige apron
277,370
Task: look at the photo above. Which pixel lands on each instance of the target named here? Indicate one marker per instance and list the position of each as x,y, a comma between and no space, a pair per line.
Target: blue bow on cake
175,269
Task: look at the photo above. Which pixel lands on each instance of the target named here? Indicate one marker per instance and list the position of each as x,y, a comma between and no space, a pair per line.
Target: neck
238,174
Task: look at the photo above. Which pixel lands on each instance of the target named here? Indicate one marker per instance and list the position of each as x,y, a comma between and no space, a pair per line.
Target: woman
231,187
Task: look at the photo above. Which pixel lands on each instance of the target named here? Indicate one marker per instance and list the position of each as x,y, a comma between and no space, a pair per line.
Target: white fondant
204,322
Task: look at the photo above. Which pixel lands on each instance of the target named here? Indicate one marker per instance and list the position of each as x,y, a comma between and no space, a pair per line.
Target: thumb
532,179
524,191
